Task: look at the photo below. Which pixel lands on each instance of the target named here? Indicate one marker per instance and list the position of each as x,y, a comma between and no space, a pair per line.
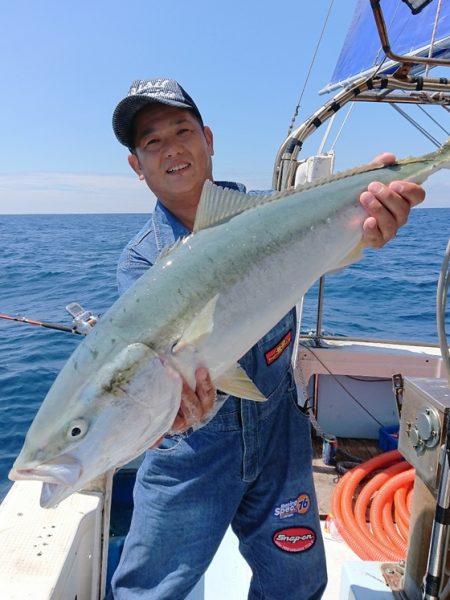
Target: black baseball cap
142,93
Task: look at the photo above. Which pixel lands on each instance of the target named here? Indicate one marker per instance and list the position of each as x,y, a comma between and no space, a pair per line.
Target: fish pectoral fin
237,383
199,328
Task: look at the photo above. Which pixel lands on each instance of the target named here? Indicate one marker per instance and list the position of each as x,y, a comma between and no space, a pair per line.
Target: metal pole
435,569
320,310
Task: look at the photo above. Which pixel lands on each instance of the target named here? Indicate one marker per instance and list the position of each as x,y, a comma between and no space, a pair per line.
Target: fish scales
204,303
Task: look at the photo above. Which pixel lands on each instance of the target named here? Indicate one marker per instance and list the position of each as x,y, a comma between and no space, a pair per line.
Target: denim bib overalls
250,466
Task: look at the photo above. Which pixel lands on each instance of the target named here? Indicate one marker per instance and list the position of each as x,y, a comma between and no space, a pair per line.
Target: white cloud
44,193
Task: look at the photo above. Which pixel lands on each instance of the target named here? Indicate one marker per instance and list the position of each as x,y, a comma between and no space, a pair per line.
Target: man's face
173,153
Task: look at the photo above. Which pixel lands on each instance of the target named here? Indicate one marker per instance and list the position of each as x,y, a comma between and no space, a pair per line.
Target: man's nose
172,147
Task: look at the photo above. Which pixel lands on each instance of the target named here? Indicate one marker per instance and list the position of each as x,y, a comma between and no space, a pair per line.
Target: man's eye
151,142
184,130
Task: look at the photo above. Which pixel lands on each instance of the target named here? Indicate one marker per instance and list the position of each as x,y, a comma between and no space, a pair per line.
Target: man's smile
177,168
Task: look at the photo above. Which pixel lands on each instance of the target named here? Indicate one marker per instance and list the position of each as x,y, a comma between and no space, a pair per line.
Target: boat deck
338,553
238,574
326,477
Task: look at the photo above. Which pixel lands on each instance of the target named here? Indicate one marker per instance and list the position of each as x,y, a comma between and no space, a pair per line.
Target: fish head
119,412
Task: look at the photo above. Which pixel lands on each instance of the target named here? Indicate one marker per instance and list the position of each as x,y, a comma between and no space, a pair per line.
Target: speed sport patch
294,539
299,505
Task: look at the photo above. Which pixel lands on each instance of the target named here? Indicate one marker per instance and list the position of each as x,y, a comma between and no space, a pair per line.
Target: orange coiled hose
365,497
409,500
385,497
384,538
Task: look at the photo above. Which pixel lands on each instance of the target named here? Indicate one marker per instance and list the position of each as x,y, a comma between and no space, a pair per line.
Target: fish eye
77,429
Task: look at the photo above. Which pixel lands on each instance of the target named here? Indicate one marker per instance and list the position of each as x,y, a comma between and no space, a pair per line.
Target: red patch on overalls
274,353
294,539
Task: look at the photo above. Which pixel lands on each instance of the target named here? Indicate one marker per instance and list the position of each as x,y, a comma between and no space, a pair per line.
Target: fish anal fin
237,383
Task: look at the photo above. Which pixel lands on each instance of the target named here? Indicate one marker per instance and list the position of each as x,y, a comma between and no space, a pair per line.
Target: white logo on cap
157,87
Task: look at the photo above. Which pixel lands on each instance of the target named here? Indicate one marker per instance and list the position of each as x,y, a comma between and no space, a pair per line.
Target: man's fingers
385,158
205,390
194,406
412,192
190,405
386,214
388,207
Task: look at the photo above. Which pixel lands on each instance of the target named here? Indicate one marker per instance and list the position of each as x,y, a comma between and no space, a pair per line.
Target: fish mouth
52,494
62,470
58,475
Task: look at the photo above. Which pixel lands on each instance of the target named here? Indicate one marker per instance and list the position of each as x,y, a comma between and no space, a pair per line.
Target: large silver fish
205,302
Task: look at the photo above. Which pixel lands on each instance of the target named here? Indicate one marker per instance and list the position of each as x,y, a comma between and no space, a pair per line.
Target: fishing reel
83,320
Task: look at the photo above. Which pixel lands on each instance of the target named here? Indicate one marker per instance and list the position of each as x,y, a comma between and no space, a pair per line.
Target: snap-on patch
295,506
274,353
294,539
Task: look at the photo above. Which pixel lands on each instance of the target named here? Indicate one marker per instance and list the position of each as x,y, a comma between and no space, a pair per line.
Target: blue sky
65,65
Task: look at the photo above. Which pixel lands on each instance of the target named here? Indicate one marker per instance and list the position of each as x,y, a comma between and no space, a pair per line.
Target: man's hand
388,206
195,405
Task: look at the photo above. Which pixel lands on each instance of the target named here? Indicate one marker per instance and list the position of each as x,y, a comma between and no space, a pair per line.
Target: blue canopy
408,34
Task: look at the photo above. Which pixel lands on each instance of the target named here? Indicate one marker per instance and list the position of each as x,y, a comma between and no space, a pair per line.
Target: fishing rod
83,320
57,326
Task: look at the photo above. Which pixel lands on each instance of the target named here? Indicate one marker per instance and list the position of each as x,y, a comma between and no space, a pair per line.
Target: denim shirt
268,361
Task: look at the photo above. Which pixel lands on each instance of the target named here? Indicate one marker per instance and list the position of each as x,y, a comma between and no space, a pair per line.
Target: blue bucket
388,438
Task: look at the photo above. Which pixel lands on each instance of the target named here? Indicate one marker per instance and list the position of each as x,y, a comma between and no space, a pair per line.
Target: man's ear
133,161
209,139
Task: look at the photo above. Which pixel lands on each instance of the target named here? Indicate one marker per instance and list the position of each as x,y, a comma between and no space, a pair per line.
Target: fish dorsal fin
218,204
236,382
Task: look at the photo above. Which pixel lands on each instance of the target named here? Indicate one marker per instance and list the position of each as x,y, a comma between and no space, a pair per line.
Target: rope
434,120
433,34
422,130
338,135
297,108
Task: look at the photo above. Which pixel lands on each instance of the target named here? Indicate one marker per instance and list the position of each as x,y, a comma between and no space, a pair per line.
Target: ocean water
48,261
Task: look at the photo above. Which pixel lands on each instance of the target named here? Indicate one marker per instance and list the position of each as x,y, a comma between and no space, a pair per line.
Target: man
252,462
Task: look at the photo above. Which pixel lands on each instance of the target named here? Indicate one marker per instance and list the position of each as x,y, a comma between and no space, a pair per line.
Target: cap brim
127,109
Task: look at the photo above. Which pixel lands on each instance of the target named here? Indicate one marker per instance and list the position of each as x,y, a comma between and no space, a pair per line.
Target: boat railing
319,340
377,85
